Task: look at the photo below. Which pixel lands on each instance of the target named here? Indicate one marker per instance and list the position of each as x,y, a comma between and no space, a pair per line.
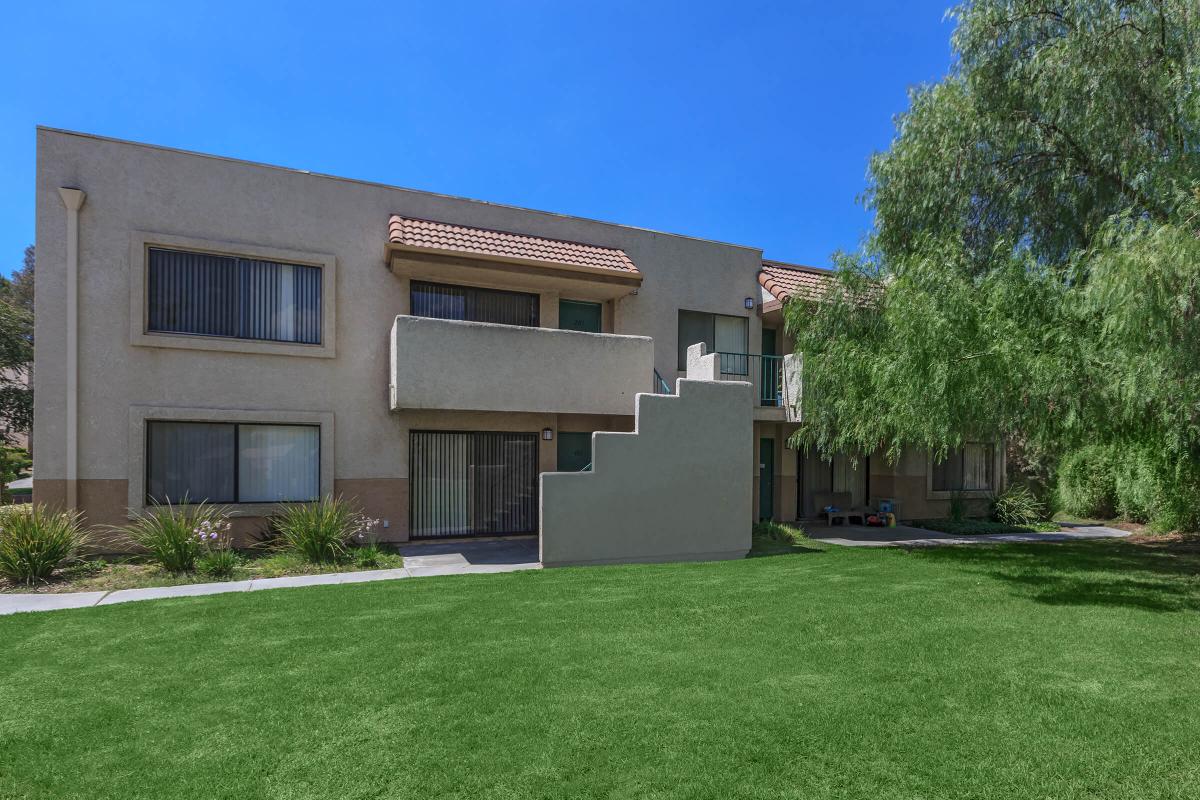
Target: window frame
997,472
237,460
139,444
139,301
712,346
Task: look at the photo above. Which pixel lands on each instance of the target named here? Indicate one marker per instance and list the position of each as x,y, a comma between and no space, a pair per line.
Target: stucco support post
73,200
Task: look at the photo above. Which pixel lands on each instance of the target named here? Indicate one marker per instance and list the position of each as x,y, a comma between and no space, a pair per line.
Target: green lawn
1047,671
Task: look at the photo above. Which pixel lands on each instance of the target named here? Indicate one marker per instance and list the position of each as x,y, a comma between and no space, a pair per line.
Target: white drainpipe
73,200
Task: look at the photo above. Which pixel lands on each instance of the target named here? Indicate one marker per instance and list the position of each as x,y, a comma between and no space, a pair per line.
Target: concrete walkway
420,561
906,536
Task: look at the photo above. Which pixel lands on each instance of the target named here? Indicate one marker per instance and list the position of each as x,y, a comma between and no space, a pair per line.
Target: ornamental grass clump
178,536
323,532
1018,506
34,541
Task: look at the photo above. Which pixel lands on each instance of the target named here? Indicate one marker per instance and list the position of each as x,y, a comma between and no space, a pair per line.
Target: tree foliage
16,347
1034,270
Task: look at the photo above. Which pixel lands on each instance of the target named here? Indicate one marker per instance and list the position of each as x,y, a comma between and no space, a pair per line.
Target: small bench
840,501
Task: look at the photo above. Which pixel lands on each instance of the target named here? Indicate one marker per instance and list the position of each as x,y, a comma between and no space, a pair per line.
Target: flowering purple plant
213,534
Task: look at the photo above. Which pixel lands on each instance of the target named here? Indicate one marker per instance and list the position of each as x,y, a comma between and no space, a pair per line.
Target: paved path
905,536
420,560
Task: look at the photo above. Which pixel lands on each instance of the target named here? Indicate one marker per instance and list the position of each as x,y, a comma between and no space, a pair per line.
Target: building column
73,200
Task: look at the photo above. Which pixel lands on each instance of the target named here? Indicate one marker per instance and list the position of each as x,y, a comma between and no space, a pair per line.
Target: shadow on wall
1103,573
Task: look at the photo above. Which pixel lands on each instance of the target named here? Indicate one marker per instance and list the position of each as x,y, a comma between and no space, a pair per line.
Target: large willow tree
1034,269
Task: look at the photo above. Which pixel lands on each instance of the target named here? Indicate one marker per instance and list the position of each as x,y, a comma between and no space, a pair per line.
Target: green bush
1018,505
34,541
176,536
324,531
958,506
368,555
1086,486
220,562
1137,483
777,533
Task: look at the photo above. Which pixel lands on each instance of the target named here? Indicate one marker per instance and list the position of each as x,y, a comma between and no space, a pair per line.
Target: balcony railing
660,384
765,372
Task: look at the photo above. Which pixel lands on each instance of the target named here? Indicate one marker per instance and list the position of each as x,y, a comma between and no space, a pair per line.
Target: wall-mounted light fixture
548,434
749,302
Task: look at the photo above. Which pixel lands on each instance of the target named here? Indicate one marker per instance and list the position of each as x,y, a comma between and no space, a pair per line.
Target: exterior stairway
680,487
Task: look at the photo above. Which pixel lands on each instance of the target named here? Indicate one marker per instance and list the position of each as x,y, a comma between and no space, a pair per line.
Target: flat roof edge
378,184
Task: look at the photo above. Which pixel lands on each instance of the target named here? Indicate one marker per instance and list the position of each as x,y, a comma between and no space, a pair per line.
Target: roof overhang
477,255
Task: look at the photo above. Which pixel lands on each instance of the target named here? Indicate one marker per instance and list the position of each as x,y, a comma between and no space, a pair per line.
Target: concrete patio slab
12,603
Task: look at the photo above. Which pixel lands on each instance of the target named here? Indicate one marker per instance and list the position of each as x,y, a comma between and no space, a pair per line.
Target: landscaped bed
138,572
1009,671
44,550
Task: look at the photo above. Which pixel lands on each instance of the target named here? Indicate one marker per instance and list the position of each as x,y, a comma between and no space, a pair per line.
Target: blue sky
747,123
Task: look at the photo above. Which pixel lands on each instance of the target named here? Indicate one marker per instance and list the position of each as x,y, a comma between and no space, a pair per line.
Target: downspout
73,200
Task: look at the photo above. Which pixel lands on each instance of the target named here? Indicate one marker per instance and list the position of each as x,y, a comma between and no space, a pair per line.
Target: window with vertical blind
967,469
222,462
205,294
721,333
444,301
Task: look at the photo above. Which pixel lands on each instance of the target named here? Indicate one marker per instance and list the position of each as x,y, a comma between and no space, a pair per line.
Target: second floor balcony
440,364
776,379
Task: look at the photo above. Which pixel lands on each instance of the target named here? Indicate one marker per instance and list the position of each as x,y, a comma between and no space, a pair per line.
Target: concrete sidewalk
907,536
420,561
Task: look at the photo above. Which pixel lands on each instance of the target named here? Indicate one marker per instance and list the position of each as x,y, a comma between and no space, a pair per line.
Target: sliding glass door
472,483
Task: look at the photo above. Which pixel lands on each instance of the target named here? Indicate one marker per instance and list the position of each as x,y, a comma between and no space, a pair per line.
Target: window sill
186,341
233,509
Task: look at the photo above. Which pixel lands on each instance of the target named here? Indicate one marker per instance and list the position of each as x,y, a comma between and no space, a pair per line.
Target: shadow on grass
1098,573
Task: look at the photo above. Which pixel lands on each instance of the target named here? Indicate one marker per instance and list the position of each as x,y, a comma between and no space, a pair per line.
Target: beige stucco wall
141,191
476,366
678,488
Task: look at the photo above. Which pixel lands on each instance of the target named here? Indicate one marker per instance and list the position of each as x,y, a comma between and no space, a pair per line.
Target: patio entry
472,483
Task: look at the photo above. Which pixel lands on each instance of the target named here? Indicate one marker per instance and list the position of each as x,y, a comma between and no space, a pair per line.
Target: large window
967,469
232,462
443,301
722,333
239,298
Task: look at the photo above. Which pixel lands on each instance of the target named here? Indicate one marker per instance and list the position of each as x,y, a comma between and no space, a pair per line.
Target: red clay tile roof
785,281
423,234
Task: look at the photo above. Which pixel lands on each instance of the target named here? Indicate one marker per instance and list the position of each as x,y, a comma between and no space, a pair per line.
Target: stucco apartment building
208,327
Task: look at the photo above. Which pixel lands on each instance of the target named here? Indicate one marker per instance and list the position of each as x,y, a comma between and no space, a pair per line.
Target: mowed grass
1037,671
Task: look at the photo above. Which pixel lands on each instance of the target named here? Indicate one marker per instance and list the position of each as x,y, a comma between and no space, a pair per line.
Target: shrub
1018,505
34,541
1086,487
368,555
1141,483
958,507
178,535
776,532
219,563
324,531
